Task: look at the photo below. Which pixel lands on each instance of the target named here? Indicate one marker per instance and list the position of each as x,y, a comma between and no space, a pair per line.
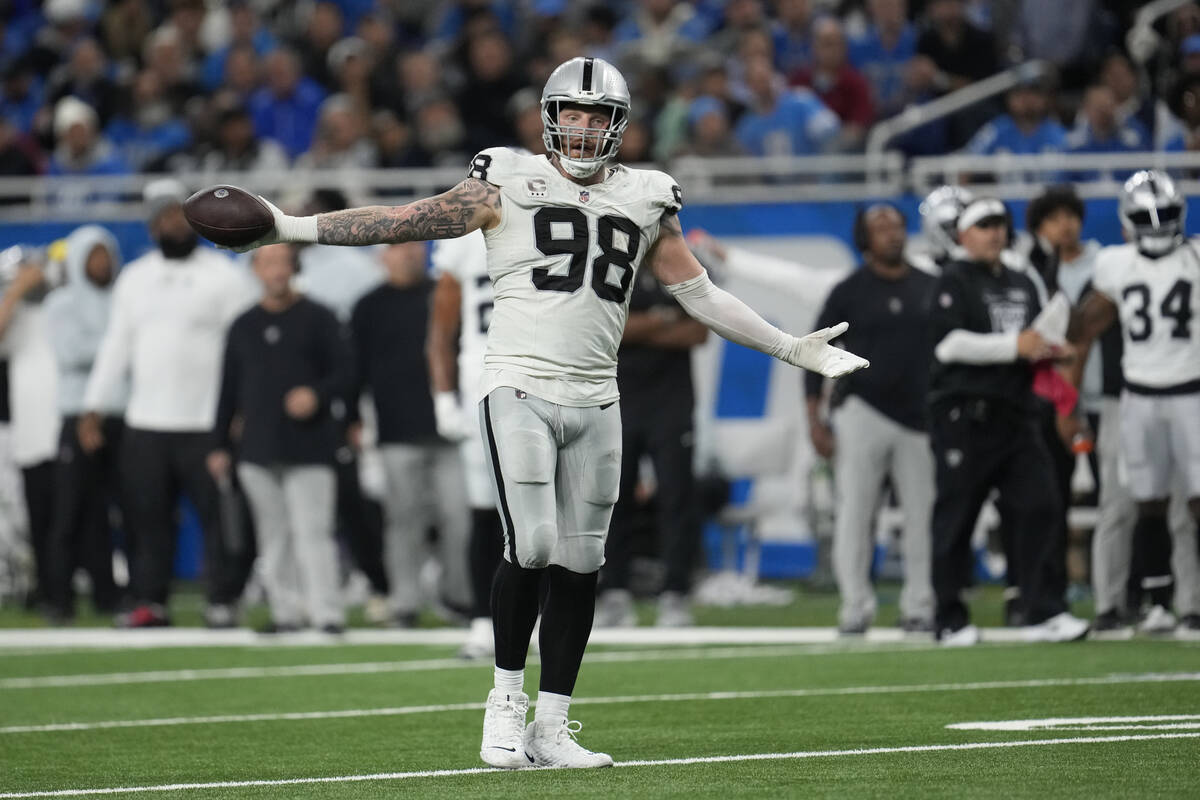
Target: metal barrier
716,181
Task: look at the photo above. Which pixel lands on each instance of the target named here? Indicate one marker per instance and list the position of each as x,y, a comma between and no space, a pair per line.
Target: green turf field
787,720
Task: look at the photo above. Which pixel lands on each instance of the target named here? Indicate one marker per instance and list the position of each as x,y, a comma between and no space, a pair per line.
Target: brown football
228,216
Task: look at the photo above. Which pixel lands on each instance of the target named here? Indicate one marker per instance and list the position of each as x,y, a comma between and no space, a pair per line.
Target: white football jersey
1158,300
465,260
562,261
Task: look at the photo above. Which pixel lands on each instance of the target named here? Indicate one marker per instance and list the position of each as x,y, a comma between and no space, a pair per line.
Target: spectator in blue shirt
148,133
1100,130
245,31
656,32
286,108
780,121
21,95
792,34
1026,128
882,54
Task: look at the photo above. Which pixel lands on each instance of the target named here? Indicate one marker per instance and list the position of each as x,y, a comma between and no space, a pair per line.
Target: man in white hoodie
170,311
85,484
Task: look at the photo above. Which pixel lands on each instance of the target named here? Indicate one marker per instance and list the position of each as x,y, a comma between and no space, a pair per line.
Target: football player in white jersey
565,233
458,326
1152,284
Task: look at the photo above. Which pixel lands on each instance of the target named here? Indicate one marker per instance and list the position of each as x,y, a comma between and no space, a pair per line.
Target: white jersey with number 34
1158,299
562,260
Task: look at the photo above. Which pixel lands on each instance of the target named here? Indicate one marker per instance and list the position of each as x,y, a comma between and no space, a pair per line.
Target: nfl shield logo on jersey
584,195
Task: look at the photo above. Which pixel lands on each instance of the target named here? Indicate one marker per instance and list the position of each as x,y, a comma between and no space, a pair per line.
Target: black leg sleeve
514,612
1152,558
566,626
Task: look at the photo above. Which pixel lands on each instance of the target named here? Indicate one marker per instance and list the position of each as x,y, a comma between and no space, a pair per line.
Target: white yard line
665,762
1164,722
1108,680
89,638
422,665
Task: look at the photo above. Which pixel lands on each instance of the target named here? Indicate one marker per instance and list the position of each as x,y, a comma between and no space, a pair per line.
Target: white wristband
296,229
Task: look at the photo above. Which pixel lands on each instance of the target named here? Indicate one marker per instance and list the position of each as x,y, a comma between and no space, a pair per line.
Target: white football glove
287,229
813,352
452,421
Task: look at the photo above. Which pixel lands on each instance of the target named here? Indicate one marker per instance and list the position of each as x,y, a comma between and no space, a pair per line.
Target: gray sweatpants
1112,541
424,488
870,446
293,508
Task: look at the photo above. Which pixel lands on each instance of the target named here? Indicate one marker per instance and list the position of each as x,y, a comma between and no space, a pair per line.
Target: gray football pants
1112,541
557,472
425,488
293,509
870,446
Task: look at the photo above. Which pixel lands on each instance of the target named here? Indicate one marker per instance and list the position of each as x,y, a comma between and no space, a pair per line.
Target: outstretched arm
680,272
1090,318
470,205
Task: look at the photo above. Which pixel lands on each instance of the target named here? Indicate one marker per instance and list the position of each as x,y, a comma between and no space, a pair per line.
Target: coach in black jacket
286,361
984,430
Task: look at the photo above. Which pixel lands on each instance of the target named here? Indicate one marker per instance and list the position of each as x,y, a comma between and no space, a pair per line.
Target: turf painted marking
666,762
423,665
1107,680
1140,723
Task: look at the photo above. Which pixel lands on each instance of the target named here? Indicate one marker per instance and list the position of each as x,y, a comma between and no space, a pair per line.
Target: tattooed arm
684,277
470,205
1090,318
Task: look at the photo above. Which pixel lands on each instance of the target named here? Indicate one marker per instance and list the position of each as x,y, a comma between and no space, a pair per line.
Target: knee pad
535,548
583,553
602,478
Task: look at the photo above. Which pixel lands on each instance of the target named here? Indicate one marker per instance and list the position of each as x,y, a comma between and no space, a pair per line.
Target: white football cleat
1158,620
966,636
1062,627
504,730
558,748
480,642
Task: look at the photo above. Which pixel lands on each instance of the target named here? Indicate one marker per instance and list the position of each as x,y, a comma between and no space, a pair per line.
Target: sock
509,681
567,615
551,710
486,551
514,611
1152,558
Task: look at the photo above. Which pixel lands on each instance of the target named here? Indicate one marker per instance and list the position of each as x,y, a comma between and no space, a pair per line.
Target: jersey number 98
611,253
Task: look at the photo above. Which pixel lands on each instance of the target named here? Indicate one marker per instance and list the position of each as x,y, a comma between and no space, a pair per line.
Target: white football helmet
939,218
591,82
1152,212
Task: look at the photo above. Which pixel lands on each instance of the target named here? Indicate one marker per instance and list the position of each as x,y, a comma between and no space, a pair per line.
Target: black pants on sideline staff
978,445
359,522
652,424
37,481
155,468
86,487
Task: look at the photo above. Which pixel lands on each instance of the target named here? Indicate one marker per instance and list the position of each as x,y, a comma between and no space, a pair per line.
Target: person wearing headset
878,428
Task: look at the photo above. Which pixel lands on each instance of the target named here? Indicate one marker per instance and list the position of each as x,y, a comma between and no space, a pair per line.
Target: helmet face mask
585,82
1152,212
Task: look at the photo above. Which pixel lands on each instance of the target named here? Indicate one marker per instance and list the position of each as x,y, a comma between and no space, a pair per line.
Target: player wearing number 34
565,233
1152,285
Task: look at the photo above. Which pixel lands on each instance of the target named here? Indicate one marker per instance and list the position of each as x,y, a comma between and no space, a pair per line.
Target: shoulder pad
499,166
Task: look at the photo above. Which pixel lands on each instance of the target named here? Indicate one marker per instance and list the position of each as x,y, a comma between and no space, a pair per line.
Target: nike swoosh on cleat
529,756
509,749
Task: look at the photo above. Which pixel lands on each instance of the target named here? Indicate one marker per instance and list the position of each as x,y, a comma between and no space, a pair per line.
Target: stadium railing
706,181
